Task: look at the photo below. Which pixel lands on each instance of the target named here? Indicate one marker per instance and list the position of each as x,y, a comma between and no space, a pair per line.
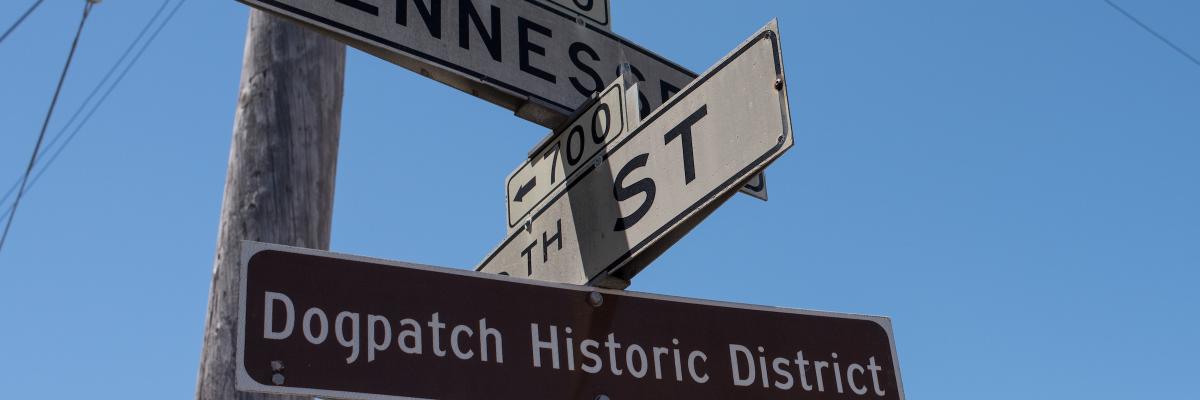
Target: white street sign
525,55
593,11
645,190
600,123
554,160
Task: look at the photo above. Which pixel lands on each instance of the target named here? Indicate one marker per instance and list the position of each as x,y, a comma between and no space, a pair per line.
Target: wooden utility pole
282,163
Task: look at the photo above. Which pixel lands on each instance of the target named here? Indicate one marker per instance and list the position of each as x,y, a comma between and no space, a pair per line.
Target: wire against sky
46,165
1152,32
20,20
87,9
88,100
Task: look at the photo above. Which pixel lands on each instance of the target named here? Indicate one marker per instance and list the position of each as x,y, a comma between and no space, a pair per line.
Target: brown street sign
314,323
629,202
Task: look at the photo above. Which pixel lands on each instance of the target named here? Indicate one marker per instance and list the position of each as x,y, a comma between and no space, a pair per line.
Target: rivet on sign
277,379
601,397
596,299
780,139
276,366
779,84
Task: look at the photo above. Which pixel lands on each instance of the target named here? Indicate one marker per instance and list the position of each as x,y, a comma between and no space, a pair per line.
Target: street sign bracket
535,109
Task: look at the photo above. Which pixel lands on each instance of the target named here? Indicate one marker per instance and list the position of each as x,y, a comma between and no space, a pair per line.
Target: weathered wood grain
282,164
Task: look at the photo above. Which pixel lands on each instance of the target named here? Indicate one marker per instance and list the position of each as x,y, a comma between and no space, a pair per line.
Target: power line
108,75
96,106
1152,32
20,20
87,9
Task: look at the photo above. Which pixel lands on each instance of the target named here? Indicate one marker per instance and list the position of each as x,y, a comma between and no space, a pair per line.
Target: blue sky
1014,183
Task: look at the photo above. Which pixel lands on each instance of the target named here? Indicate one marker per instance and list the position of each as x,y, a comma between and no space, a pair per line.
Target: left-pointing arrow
524,189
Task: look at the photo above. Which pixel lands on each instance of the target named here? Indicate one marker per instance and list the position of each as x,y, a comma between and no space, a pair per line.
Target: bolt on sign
314,323
643,191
